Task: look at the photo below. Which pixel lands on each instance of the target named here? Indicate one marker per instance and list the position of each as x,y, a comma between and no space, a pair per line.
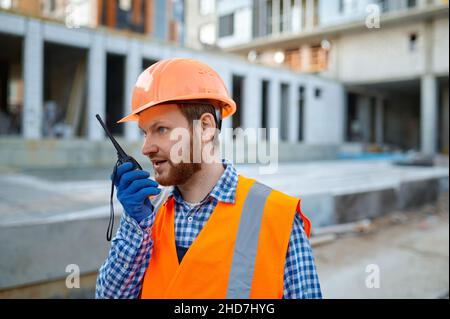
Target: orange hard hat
179,79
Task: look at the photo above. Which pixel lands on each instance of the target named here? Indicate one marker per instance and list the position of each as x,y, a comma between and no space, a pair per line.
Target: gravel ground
409,251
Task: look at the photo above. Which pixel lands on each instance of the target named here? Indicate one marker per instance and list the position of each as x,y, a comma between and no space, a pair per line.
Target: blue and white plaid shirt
121,274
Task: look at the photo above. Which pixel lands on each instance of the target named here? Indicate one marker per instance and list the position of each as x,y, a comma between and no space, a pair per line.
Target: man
216,234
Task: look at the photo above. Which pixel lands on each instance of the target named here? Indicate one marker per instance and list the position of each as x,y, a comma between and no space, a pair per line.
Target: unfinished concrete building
67,75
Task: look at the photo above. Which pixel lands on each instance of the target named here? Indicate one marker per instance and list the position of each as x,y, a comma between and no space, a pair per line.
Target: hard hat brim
228,106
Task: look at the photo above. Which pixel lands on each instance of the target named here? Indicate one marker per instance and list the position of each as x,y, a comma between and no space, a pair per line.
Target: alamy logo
373,17
73,278
373,277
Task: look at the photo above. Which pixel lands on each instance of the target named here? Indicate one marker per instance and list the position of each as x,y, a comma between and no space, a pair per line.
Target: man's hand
133,189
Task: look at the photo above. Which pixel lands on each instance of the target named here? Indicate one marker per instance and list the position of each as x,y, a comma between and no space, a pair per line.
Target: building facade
391,55
158,19
201,24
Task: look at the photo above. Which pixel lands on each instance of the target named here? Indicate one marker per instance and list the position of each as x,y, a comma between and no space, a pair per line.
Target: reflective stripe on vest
244,254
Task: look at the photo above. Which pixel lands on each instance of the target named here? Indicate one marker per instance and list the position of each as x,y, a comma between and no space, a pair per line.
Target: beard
177,174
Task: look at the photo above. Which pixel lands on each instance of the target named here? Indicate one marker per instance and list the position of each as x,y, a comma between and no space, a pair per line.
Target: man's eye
162,130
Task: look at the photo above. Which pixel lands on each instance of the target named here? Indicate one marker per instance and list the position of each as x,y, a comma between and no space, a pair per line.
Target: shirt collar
225,188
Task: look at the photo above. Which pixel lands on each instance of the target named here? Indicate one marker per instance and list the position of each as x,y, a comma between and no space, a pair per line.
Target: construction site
361,117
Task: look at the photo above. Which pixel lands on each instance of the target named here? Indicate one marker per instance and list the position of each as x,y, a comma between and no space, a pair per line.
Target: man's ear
208,128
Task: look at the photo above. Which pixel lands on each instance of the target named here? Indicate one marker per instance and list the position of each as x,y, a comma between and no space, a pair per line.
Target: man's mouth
158,163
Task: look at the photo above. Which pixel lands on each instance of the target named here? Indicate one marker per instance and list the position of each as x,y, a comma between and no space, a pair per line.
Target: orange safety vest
239,253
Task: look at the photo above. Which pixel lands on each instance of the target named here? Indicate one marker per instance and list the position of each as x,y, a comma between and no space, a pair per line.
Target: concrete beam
75,37
116,44
12,24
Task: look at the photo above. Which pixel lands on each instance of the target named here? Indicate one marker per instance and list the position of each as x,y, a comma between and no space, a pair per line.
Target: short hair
194,110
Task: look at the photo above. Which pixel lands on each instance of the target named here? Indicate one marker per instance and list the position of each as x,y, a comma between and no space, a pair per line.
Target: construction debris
416,159
362,226
322,239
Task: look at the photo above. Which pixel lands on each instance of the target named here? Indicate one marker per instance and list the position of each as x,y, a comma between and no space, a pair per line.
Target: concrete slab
40,252
368,204
350,190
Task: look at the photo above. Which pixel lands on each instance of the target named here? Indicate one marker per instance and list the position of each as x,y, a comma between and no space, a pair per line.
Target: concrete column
132,70
293,114
251,113
428,111
274,104
33,71
445,120
379,121
309,14
363,110
316,109
296,18
287,27
96,90
276,16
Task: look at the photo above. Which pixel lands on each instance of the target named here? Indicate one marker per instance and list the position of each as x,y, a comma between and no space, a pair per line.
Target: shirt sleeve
300,276
120,276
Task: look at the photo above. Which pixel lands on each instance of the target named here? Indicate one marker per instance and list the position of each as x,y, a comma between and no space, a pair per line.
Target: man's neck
201,183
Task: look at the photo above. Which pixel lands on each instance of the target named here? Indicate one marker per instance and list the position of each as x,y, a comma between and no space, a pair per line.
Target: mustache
158,158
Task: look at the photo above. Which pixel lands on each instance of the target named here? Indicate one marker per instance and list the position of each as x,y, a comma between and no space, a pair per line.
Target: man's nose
149,147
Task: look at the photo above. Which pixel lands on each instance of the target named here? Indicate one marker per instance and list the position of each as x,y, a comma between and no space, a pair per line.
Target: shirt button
139,232
190,219
125,266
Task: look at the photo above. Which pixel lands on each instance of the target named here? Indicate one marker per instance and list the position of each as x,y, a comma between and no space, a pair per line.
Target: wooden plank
111,13
76,98
137,12
99,16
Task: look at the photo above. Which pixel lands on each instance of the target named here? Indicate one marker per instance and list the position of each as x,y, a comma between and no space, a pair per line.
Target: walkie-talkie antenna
120,152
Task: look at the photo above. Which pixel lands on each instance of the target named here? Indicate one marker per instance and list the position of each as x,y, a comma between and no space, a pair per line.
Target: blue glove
133,189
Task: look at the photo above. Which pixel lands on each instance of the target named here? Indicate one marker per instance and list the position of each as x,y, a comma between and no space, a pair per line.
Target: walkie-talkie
122,157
